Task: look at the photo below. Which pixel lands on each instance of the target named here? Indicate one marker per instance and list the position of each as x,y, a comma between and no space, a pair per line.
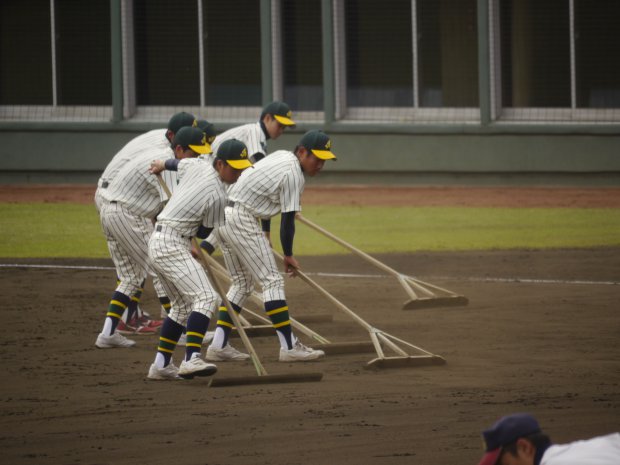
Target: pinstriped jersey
136,188
251,135
149,140
200,198
271,186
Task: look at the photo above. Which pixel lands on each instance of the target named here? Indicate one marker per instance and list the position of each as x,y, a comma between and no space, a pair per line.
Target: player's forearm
287,232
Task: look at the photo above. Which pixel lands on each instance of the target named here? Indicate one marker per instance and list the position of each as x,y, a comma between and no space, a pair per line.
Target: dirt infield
541,334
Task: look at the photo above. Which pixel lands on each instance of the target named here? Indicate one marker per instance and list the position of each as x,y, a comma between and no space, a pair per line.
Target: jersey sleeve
290,191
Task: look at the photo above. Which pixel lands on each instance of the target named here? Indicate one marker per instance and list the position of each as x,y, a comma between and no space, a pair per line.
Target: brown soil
376,195
540,334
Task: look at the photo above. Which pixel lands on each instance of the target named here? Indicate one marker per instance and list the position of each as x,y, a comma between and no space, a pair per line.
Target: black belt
105,184
230,203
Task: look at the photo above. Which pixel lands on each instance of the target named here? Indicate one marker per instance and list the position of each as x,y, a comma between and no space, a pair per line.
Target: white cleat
225,354
113,341
300,353
160,374
196,367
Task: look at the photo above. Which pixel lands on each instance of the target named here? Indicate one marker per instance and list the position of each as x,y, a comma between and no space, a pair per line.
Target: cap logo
204,140
194,123
328,145
211,139
244,154
289,114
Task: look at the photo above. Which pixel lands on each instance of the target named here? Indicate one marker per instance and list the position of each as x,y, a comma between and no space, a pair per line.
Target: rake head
411,361
435,302
266,379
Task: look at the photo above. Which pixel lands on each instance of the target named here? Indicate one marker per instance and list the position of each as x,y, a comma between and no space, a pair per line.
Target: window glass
166,52
83,52
26,77
535,49
232,46
378,53
597,48
447,53
302,54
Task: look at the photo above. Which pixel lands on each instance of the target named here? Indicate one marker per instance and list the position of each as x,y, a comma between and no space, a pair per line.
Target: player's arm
287,234
266,227
157,166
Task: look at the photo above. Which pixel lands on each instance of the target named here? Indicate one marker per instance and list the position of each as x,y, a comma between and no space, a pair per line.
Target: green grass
69,230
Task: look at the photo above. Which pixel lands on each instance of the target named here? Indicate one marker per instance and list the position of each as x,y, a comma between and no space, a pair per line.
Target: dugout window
415,61
55,59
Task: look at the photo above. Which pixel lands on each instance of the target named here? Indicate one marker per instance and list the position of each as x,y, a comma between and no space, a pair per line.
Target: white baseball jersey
200,198
136,189
274,185
150,140
251,135
602,450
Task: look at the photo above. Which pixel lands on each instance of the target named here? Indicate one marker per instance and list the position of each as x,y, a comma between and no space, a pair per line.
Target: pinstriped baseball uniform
200,199
152,140
252,135
272,186
133,196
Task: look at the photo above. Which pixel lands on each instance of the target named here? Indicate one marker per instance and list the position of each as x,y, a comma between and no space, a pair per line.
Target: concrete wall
79,156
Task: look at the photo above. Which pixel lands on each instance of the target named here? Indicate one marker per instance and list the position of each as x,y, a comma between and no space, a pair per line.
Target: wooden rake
266,329
421,294
378,337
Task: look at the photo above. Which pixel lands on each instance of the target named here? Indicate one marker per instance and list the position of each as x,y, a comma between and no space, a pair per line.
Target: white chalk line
358,276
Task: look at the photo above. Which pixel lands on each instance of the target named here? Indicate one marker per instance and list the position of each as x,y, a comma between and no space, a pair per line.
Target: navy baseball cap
506,431
194,138
319,144
178,120
208,129
281,112
235,153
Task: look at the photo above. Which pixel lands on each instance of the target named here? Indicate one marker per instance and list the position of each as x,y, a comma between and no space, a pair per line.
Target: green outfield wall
79,156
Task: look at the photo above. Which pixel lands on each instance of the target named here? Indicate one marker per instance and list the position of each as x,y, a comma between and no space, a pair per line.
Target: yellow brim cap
284,120
324,154
239,164
204,149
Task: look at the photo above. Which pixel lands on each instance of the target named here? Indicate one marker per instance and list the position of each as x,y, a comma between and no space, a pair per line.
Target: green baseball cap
281,112
235,153
319,144
208,129
181,119
192,137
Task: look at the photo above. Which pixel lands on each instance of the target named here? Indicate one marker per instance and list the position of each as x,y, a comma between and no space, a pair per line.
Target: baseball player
197,204
273,186
133,196
274,119
157,139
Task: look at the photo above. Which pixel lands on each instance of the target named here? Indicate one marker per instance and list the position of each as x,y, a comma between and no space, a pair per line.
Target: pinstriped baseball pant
248,257
183,278
127,236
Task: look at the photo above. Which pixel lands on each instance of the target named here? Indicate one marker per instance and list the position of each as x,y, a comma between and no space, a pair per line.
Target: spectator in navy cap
517,439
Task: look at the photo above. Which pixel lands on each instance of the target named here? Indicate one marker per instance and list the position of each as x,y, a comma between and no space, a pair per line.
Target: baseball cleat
225,354
160,374
196,367
113,341
135,328
299,353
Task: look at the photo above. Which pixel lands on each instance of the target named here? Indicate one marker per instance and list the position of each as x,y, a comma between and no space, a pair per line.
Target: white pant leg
183,278
252,253
127,237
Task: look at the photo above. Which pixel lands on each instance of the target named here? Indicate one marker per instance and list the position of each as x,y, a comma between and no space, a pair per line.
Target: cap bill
324,154
491,457
284,120
204,149
239,164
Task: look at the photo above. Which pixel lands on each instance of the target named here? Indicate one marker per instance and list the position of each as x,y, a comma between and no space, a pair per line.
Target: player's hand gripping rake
421,294
378,337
